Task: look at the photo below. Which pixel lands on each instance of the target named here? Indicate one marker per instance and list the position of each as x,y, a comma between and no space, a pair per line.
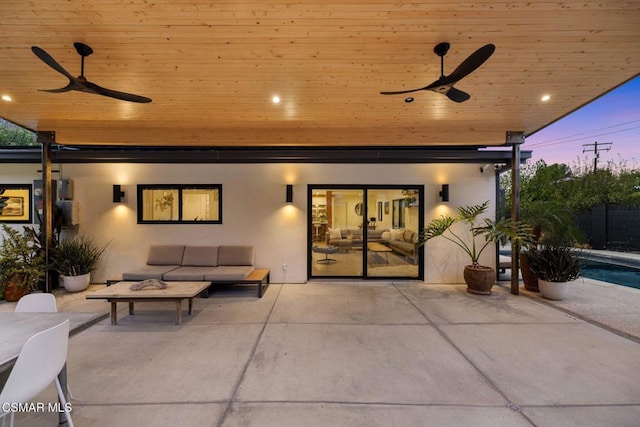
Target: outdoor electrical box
69,211
65,189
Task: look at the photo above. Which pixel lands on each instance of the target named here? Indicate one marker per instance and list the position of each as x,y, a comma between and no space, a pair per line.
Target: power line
587,132
556,142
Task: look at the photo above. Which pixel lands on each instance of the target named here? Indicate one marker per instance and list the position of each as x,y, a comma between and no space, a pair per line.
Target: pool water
612,273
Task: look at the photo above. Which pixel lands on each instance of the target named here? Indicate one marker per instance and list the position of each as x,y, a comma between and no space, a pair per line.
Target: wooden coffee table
379,247
175,291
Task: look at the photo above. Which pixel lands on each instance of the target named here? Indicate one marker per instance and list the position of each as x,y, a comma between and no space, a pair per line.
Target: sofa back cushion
410,236
376,234
355,234
165,255
200,256
235,255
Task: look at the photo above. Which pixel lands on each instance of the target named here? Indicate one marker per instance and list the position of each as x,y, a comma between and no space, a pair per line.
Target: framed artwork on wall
15,203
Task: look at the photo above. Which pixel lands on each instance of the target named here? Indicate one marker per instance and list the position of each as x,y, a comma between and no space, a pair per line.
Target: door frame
365,214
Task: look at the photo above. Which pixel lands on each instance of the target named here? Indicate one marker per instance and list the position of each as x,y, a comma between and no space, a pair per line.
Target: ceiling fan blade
472,62
48,59
71,86
402,91
116,94
457,95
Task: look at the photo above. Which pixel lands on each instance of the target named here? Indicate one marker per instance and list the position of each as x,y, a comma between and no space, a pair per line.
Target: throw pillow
397,234
334,234
386,235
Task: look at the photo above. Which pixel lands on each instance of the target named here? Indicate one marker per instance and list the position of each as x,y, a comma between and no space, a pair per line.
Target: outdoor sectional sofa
215,264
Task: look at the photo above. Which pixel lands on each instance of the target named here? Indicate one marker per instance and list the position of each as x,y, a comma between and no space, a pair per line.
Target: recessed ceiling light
7,98
545,98
409,99
275,99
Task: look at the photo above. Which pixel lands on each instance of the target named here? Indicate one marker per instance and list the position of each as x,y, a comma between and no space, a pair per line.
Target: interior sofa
341,237
195,263
404,242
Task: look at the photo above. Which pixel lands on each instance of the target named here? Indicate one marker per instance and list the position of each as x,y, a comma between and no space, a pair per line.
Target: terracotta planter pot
528,276
76,283
479,279
14,289
554,290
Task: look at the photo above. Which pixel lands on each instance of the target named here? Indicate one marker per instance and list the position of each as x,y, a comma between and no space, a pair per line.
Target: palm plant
550,222
492,231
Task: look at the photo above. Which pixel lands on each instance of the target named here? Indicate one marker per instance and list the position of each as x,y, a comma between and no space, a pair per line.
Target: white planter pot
554,290
76,283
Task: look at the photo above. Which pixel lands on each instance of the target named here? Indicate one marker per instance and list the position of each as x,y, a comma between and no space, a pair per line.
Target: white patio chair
37,303
41,359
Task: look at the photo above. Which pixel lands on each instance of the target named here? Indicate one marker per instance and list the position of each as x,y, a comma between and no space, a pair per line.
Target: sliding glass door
365,231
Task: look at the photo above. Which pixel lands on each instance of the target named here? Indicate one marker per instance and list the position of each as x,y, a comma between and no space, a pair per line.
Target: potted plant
550,221
22,264
479,278
75,258
556,265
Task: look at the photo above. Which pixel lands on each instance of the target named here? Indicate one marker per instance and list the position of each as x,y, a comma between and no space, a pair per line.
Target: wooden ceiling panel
211,69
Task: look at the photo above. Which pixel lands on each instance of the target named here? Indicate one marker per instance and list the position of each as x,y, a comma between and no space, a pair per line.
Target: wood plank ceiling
212,69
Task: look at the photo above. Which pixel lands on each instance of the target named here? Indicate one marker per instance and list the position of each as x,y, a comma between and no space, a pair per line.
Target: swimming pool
612,273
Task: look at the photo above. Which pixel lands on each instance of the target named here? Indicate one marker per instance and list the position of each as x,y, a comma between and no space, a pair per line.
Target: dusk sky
615,117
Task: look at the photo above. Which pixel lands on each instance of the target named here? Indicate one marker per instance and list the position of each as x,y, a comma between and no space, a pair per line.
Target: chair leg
63,401
64,368
4,417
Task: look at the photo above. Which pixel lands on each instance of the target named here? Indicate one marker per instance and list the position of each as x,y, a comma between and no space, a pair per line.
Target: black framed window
180,204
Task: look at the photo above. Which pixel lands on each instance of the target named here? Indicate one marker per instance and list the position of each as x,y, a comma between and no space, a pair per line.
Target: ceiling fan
444,84
80,83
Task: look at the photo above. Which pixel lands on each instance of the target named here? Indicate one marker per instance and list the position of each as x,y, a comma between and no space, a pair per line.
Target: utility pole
596,151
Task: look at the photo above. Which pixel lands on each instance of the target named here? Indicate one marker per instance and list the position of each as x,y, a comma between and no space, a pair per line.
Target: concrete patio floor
352,354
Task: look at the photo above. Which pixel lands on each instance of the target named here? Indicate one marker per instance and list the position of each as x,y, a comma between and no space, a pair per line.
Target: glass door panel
393,216
336,219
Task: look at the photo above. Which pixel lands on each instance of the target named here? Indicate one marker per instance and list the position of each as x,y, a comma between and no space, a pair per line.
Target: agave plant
556,263
492,231
77,256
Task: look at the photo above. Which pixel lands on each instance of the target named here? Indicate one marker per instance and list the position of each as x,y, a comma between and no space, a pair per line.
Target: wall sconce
289,193
118,194
444,193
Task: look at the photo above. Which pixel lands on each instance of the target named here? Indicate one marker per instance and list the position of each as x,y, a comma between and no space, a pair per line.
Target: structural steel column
46,139
515,139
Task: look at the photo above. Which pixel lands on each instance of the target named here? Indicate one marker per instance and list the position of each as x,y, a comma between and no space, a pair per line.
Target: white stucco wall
254,208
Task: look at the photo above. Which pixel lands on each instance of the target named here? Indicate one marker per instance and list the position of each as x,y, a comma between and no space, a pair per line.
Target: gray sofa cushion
200,256
165,255
228,273
235,255
149,272
187,274
410,236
